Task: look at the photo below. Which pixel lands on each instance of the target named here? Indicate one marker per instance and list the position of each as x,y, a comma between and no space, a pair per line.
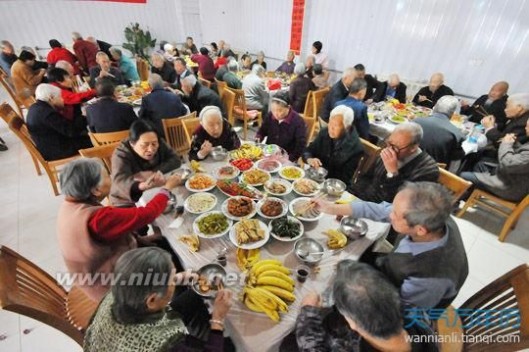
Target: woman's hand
488,121
222,305
314,162
173,181
156,179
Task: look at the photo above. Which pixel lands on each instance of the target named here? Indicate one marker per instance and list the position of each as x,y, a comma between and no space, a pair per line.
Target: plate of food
242,164
199,203
306,187
200,183
272,208
268,165
247,151
249,234
210,280
212,225
227,172
278,187
286,228
239,207
304,209
255,177
232,188
398,119
291,173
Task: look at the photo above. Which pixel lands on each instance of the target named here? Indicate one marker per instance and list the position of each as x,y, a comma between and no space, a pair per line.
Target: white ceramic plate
243,177
234,172
252,245
302,218
192,210
188,182
285,183
287,239
225,211
258,193
274,165
216,235
398,119
284,211
282,170
315,185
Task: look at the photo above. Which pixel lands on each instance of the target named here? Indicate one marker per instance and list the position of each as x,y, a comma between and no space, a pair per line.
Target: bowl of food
233,188
227,172
242,164
334,187
255,177
317,174
272,208
249,234
213,224
270,149
308,251
304,209
353,228
199,203
268,165
278,187
237,208
306,187
291,173
219,153
286,228
210,280
200,183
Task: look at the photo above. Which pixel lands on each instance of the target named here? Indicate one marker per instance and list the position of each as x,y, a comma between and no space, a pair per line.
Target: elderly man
255,91
25,79
442,139
160,104
214,131
100,44
230,77
189,47
107,114
85,51
355,100
429,95
337,147
197,96
373,85
339,91
393,88
428,264
489,104
163,68
401,160
289,65
300,88
7,56
181,72
104,69
54,136
126,66
206,67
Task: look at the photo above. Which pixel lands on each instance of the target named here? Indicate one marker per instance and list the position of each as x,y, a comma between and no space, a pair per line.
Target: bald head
393,80
436,81
498,90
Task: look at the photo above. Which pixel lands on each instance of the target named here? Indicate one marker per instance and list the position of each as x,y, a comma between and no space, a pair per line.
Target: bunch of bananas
336,239
269,288
192,241
196,167
246,151
247,257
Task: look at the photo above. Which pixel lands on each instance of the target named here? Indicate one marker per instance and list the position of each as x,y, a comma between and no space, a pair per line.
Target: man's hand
314,162
205,148
488,121
390,160
422,98
311,299
509,138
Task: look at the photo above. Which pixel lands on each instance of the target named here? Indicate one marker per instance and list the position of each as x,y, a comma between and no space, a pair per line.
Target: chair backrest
190,126
228,100
318,97
2,72
371,153
457,185
308,111
7,113
11,93
204,82
143,69
221,87
28,290
310,124
175,135
103,152
99,139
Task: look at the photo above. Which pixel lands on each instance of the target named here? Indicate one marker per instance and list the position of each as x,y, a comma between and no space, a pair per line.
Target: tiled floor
27,221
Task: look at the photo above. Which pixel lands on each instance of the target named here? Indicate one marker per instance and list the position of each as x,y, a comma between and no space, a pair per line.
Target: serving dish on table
200,183
286,228
199,203
268,165
213,224
306,187
291,173
227,172
304,209
272,208
233,188
278,187
239,207
249,234
255,177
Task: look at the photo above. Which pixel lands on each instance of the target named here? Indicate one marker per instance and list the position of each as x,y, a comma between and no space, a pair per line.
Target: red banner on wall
132,1
296,29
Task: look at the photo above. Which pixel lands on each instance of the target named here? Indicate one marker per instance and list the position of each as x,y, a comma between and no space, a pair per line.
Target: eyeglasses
394,147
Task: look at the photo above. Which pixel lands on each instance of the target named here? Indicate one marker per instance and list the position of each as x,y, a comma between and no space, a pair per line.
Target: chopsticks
310,205
480,110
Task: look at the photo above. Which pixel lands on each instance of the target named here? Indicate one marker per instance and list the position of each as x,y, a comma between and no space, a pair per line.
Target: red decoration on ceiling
131,1
296,29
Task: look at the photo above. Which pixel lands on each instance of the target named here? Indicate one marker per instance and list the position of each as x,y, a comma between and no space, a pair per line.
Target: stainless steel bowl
353,228
171,204
317,174
270,149
334,187
215,274
219,153
308,246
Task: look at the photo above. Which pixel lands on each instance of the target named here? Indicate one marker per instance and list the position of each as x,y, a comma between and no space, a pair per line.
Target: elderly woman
337,147
163,68
139,163
126,66
25,79
91,236
58,52
55,137
284,127
206,67
255,89
145,317
214,131
300,88
517,113
259,60
287,66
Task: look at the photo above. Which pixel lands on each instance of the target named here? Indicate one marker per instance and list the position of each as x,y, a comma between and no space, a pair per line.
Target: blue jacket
361,120
161,104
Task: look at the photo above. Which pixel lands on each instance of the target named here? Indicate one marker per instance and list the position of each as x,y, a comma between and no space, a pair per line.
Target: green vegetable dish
213,224
286,228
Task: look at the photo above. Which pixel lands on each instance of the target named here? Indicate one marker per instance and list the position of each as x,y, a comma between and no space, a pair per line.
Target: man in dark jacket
394,88
489,104
107,114
181,71
197,96
104,69
230,77
54,136
373,85
429,95
160,104
299,88
339,91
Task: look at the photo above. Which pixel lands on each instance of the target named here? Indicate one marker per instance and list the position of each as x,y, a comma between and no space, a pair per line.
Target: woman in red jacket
58,53
72,100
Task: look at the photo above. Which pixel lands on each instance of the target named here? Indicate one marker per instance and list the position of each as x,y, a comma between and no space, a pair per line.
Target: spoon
303,254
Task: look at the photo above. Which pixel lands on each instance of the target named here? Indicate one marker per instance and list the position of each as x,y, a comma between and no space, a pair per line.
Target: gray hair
233,65
357,85
65,65
77,35
145,271
208,111
413,129
5,44
115,50
261,53
429,205
101,54
47,92
349,72
365,296
446,105
80,177
191,80
521,99
299,69
158,55
347,113
258,70
155,81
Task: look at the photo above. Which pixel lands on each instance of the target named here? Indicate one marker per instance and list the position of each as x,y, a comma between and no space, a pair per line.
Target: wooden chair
18,126
457,185
498,206
7,113
143,69
242,113
12,94
488,305
100,139
308,111
28,290
310,124
371,153
228,100
221,87
3,73
318,97
204,82
190,126
175,135
442,165
103,152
